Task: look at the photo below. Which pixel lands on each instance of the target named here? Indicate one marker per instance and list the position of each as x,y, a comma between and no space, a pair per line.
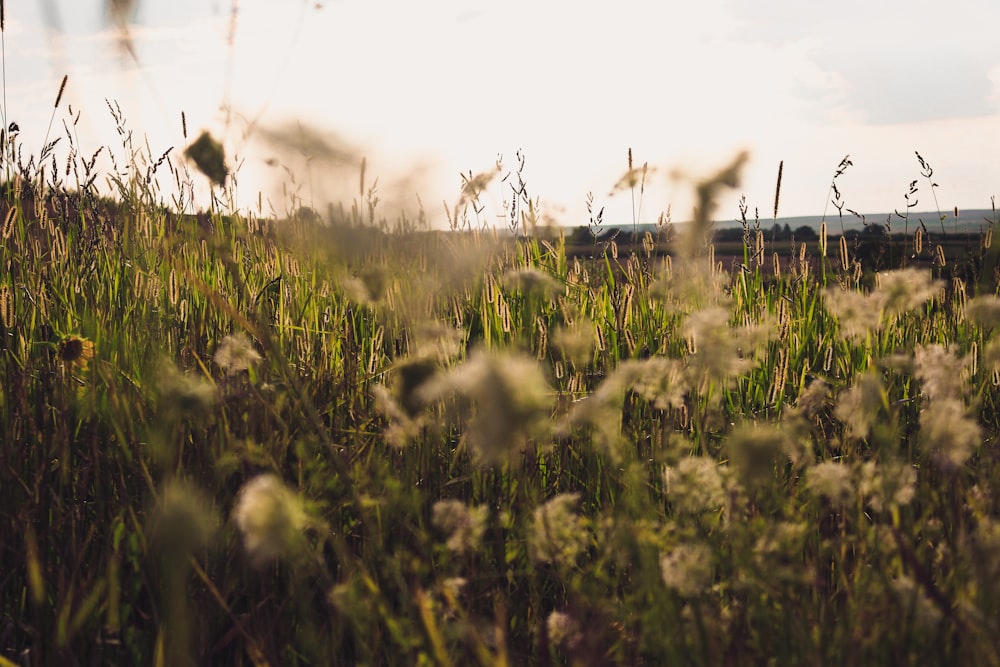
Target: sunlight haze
426,91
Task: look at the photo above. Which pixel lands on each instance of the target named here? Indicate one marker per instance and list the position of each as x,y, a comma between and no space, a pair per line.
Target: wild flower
991,354
940,371
780,539
656,379
687,569
563,630
755,450
272,519
532,282
857,314
858,407
576,341
430,340
368,287
236,354
904,289
453,586
409,377
778,550
886,485
184,393
661,382
718,351
402,402
402,428
464,525
832,481
75,351
558,535
694,485
985,311
948,435
512,401
813,398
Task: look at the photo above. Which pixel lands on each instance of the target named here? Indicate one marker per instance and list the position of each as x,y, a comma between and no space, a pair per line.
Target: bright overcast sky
429,89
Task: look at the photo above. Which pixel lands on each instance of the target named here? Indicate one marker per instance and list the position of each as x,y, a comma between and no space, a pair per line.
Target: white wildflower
756,450
905,289
985,311
563,630
452,587
576,341
658,380
512,400
694,485
948,435
718,351
687,569
558,535
532,281
813,398
271,518
464,525
236,354
831,480
184,394
661,382
940,371
890,484
858,407
856,314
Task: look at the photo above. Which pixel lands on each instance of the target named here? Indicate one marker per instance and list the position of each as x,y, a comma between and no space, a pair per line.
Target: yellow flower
75,351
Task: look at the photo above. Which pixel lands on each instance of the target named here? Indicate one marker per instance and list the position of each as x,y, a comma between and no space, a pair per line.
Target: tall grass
232,440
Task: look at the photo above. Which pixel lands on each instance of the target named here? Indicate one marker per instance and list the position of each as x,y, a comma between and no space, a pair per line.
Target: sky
426,91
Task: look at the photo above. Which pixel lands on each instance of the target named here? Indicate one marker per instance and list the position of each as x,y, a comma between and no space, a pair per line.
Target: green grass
229,440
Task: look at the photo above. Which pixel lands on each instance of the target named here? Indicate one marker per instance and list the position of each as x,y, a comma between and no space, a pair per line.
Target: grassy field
350,440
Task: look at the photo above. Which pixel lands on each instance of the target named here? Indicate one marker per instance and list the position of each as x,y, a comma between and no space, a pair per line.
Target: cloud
898,62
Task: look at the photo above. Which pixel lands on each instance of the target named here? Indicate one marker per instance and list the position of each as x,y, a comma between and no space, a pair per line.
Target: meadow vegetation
347,439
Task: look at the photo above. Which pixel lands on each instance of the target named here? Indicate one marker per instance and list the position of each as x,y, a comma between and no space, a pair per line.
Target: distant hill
971,220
